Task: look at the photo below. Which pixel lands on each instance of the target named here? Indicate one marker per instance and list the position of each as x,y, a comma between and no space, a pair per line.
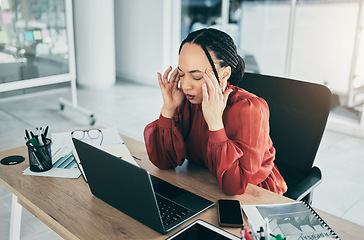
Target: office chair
298,116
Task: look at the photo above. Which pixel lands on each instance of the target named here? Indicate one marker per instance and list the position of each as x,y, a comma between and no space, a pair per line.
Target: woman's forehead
192,57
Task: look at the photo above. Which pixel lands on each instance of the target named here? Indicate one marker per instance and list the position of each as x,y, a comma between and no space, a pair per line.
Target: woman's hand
214,101
172,95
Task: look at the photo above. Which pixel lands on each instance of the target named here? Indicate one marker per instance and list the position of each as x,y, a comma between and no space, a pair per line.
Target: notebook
132,190
295,220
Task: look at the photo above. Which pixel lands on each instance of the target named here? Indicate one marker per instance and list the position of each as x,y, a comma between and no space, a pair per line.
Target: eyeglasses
92,134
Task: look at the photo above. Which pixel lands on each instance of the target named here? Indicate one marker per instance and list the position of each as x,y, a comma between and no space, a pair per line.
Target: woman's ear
225,75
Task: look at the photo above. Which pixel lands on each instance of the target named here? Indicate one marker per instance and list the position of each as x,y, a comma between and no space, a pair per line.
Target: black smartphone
229,213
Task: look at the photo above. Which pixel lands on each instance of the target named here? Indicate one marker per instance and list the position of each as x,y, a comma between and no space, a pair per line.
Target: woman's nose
186,83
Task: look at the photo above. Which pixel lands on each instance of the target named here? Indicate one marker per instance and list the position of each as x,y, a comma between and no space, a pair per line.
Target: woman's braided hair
224,48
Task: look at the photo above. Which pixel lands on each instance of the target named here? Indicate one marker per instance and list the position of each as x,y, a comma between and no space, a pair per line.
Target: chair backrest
298,116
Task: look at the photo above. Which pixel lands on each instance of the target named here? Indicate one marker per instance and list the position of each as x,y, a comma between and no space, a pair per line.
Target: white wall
139,40
94,35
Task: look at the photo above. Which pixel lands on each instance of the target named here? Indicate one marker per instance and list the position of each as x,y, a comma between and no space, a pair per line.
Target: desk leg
15,218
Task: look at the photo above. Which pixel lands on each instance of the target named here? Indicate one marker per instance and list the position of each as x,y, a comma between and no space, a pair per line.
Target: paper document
295,220
119,150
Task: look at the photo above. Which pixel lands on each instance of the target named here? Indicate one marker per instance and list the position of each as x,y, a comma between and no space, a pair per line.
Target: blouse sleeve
164,143
242,152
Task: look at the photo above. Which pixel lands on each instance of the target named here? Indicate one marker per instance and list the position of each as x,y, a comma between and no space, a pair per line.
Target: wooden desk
68,207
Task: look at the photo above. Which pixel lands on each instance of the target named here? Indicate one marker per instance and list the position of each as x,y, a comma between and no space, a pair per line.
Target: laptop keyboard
170,211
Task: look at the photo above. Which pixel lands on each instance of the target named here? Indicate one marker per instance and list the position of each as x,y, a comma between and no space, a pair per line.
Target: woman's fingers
209,84
226,95
166,73
174,76
212,83
213,78
205,94
160,81
176,81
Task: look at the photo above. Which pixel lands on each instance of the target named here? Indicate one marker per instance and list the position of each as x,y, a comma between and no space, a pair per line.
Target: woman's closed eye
197,76
194,77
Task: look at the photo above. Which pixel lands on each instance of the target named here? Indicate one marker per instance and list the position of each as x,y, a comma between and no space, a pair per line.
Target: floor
129,107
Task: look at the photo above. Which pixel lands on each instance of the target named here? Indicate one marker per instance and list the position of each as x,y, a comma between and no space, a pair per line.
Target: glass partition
33,39
264,33
197,14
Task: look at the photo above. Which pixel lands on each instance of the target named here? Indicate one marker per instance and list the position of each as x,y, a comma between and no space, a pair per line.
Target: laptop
132,190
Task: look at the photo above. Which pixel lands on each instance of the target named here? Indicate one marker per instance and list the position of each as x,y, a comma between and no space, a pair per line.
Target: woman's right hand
171,93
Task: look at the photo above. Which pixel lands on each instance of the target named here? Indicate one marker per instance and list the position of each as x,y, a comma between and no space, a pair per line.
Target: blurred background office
112,50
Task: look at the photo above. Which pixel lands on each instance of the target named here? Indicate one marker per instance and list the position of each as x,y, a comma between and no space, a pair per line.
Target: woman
205,118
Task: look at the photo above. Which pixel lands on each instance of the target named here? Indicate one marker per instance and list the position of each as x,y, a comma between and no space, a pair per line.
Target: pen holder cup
40,157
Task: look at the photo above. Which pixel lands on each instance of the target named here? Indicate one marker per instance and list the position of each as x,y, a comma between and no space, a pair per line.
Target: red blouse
236,155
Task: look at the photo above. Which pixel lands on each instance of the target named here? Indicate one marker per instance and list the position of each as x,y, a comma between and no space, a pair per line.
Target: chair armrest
305,186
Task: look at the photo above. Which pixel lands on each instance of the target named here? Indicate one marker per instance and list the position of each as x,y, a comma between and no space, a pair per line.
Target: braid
224,48
211,62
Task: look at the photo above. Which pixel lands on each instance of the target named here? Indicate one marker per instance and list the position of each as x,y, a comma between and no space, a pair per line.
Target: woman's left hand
214,101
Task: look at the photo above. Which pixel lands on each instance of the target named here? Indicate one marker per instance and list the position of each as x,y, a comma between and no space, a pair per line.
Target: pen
261,234
43,138
32,134
267,229
247,234
34,141
46,131
37,160
27,135
253,232
40,140
277,237
242,232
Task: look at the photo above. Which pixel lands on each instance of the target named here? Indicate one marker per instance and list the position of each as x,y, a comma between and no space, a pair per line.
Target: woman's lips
189,97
